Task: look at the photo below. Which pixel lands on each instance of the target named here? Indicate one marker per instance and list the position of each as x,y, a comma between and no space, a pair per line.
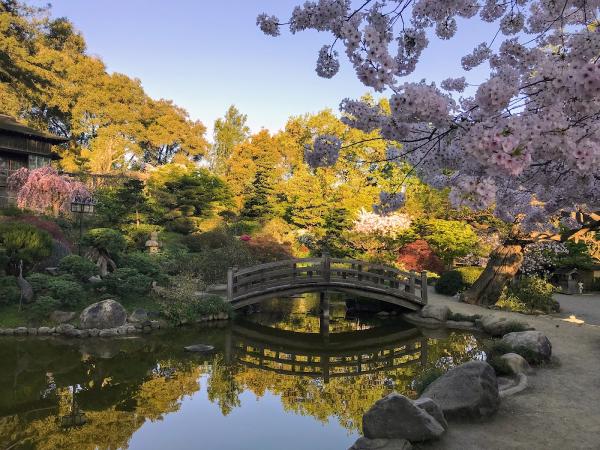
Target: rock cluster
107,318
68,330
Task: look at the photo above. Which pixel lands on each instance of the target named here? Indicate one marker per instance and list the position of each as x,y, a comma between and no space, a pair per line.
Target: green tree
229,132
22,241
257,204
450,238
188,197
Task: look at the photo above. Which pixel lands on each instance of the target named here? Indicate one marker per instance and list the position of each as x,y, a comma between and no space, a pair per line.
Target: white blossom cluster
324,151
539,257
527,142
390,225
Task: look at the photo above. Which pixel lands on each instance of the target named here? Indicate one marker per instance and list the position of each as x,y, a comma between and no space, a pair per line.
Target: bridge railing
326,271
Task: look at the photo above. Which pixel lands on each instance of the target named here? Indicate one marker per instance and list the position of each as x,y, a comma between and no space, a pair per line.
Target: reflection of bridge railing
339,355
254,284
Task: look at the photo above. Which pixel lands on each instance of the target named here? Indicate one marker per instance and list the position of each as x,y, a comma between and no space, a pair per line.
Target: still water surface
275,382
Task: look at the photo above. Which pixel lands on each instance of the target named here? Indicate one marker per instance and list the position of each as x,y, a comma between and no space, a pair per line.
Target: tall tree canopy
48,80
229,132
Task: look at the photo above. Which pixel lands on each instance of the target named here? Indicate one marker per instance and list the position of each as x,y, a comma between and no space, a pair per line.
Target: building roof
10,125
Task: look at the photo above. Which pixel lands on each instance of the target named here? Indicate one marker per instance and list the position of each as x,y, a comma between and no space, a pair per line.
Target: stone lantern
152,245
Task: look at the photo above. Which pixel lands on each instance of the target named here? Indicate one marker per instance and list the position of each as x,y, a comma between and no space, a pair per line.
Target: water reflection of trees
120,389
344,398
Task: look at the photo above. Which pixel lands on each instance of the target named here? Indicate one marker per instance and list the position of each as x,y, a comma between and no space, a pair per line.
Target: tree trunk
502,267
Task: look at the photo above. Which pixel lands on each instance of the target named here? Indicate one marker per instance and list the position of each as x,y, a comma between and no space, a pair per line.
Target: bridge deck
359,278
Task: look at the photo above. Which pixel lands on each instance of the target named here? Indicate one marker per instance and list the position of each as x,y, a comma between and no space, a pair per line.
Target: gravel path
560,409
585,307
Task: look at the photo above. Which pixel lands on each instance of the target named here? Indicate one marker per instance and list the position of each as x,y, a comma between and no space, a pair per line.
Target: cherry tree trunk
502,267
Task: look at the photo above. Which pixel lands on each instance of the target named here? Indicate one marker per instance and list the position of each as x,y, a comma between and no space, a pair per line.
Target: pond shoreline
71,331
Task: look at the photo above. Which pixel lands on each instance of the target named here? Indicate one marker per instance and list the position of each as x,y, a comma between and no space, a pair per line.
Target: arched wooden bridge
296,276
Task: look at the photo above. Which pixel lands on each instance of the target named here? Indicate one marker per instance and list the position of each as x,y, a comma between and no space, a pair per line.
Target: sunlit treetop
526,141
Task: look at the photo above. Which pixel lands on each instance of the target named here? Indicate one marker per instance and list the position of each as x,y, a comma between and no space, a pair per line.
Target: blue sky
206,55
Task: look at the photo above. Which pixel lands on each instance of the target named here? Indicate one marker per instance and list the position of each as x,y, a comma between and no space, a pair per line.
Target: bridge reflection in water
324,355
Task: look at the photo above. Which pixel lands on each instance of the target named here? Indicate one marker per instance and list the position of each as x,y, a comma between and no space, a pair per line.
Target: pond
274,382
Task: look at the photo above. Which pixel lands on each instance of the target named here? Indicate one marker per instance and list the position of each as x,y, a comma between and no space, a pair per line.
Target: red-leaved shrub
419,256
264,250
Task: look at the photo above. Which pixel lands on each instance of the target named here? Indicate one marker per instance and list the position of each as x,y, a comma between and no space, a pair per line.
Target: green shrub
536,294
145,264
470,275
457,280
244,227
432,278
180,303
9,291
137,235
509,302
67,291
64,288
80,268
39,281
210,240
22,241
449,283
42,307
126,281
212,265
105,240
426,378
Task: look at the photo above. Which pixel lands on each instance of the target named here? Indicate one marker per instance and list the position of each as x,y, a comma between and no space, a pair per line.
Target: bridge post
326,267
412,281
230,273
424,286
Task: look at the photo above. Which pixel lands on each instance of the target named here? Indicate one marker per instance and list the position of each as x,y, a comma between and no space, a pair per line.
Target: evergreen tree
228,132
258,203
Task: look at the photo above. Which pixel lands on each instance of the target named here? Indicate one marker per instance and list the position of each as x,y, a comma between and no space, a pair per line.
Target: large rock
469,390
364,443
397,417
103,315
45,331
61,316
499,326
516,363
534,341
433,409
64,328
437,312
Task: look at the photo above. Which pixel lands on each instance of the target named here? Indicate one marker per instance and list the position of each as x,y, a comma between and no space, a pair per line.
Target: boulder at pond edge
397,417
103,315
469,390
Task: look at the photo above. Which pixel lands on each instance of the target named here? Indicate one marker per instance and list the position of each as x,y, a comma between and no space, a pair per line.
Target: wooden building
22,146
